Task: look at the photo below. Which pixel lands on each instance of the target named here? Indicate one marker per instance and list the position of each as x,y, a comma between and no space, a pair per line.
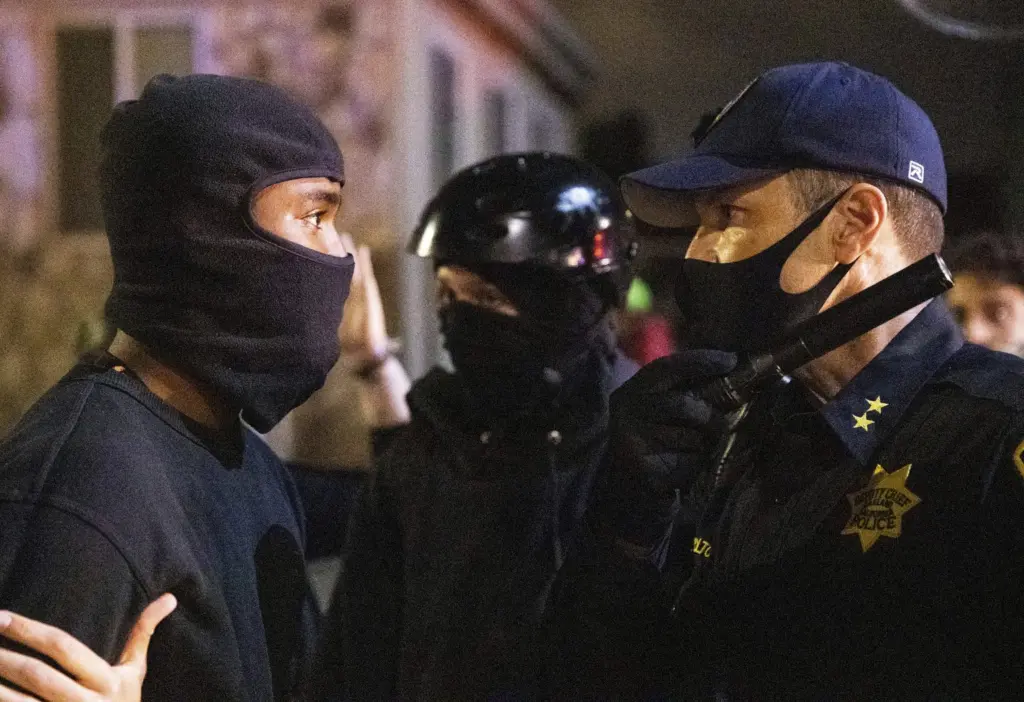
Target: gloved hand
662,434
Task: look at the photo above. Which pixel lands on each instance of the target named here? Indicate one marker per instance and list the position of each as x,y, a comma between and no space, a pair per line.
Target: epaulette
981,372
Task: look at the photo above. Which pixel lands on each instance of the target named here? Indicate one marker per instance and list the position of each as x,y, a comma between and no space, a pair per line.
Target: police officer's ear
857,220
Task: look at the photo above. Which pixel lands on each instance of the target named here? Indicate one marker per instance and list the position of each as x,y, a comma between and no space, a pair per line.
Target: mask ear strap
832,278
784,247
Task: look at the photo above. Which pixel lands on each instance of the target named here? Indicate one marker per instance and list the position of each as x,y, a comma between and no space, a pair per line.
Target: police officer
855,532
475,503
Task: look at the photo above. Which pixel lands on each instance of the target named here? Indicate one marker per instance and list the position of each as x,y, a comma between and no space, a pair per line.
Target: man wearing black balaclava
475,503
136,474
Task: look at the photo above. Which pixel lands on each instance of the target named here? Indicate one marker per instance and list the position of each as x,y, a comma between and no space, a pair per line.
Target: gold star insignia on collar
876,405
862,422
878,509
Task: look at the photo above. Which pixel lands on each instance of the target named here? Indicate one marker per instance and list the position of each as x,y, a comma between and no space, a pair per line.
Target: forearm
328,499
361,641
382,392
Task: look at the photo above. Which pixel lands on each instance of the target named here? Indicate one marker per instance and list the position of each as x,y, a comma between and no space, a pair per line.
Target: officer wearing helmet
475,502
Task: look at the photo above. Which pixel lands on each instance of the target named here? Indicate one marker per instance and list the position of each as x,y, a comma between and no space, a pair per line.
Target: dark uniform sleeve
361,644
328,500
58,567
609,623
999,584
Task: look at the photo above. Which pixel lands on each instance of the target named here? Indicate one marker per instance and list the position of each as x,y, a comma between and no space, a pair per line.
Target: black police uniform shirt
109,499
872,548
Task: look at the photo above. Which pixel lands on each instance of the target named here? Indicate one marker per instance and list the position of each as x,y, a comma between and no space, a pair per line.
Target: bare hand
363,333
93,679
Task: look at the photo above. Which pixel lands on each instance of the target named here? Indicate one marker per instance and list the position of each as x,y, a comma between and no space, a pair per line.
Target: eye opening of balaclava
196,280
249,216
509,363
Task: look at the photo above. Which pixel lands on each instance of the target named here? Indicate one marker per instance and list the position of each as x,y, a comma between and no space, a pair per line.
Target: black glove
662,435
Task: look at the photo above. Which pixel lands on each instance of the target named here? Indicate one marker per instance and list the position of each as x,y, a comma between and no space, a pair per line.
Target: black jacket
456,545
872,548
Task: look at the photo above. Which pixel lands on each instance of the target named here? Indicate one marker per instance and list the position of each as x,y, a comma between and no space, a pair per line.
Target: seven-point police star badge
878,509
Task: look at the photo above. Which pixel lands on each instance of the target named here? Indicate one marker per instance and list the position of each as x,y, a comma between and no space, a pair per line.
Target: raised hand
89,678
363,333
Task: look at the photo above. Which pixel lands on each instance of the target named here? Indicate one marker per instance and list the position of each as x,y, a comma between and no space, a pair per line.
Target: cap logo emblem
916,172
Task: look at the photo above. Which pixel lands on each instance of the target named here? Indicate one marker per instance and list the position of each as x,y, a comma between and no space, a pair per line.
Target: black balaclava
196,280
741,306
510,364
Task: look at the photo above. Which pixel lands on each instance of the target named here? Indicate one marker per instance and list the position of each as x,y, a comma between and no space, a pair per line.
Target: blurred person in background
644,334
988,296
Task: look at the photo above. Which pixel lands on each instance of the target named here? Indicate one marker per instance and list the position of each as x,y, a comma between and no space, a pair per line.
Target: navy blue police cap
830,116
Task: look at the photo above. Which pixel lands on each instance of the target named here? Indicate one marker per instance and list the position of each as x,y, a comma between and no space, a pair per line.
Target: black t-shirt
109,499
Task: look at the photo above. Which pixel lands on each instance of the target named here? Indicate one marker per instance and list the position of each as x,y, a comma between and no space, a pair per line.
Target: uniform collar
871,405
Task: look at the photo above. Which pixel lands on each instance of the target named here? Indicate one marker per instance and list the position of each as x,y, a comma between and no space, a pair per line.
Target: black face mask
741,306
511,364
250,314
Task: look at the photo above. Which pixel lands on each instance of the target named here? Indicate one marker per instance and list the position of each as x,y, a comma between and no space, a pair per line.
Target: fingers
350,246
135,650
375,306
40,679
64,649
347,242
683,370
9,695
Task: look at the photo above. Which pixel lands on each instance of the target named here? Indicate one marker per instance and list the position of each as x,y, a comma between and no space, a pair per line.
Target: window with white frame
442,115
540,132
99,62
496,121
547,128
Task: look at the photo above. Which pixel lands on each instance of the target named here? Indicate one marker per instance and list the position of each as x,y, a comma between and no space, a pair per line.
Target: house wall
483,61
336,56
362,64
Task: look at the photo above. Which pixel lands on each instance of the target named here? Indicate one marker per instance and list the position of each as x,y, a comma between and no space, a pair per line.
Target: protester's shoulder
69,474
401,451
437,389
983,374
437,407
46,428
260,452
81,430
406,453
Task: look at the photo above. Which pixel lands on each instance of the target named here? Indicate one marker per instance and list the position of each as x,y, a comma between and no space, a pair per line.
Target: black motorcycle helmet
539,209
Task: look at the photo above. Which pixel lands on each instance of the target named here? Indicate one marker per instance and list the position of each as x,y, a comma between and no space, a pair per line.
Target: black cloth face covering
741,306
196,280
